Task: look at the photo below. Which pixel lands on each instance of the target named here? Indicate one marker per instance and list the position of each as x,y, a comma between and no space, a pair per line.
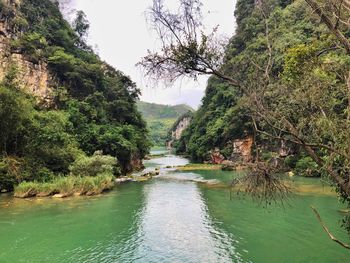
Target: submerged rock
228,166
205,181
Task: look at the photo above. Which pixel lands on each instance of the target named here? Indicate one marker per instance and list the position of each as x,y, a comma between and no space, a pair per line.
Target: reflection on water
167,160
159,150
175,227
169,219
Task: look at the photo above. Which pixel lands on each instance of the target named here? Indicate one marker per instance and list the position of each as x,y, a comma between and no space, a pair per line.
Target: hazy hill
160,118
159,111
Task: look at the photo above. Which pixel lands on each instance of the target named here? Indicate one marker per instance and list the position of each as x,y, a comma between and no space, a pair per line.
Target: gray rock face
32,77
177,132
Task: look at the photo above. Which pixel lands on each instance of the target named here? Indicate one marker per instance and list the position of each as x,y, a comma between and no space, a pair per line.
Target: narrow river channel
172,218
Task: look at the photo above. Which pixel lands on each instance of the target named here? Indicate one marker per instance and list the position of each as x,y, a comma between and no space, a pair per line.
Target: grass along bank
66,186
199,166
88,175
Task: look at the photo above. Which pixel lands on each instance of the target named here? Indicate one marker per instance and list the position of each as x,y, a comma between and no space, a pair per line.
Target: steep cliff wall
183,124
177,130
32,77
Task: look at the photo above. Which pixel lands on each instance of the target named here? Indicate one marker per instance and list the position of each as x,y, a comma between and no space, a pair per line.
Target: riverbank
66,186
63,187
195,167
167,212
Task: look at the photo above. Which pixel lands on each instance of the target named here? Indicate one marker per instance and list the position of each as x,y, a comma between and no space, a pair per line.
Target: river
172,218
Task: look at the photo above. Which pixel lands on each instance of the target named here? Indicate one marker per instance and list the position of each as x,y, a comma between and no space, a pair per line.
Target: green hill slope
160,118
81,106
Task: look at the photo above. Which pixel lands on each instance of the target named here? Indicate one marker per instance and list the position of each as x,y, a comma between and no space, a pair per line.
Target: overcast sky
120,32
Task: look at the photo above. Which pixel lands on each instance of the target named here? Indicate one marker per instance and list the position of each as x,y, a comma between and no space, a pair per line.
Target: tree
15,114
335,15
268,71
93,106
81,26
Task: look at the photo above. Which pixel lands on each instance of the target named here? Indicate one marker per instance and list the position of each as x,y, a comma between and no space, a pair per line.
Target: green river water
172,219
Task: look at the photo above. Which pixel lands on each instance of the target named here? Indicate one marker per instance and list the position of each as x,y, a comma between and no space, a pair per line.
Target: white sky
120,32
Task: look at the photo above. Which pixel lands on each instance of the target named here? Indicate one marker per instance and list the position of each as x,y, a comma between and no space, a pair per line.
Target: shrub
10,170
65,185
94,185
291,161
94,165
45,189
307,167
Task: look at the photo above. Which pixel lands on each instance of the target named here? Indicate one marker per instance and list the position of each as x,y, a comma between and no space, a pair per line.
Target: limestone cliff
175,133
242,149
183,124
32,77
241,152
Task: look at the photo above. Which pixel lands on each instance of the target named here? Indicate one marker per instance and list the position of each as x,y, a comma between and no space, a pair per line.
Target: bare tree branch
325,228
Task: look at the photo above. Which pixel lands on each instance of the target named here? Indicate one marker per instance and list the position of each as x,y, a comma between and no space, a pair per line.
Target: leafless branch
325,228
262,184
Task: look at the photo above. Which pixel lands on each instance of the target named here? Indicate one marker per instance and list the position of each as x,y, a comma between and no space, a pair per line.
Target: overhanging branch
325,228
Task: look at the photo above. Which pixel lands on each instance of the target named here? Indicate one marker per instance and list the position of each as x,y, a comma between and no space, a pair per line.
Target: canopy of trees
92,106
284,76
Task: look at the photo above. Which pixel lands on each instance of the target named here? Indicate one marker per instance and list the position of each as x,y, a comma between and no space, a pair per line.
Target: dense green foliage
219,120
295,37
161,118
288,68
92,106
95,165
87,176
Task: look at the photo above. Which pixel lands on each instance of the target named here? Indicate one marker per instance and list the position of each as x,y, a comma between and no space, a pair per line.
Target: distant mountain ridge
160,111
160,119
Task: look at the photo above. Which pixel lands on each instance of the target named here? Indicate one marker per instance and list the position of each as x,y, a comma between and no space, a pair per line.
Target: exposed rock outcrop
216,157
177,131
135,163
242,149
32,77
241,153
183,124
283,151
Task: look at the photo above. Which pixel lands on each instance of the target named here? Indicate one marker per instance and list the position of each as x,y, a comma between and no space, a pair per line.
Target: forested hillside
290,66
217,122
262,170
160,119
283,81
88,105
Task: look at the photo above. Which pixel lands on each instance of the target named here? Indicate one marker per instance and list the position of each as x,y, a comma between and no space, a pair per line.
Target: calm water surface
171,218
